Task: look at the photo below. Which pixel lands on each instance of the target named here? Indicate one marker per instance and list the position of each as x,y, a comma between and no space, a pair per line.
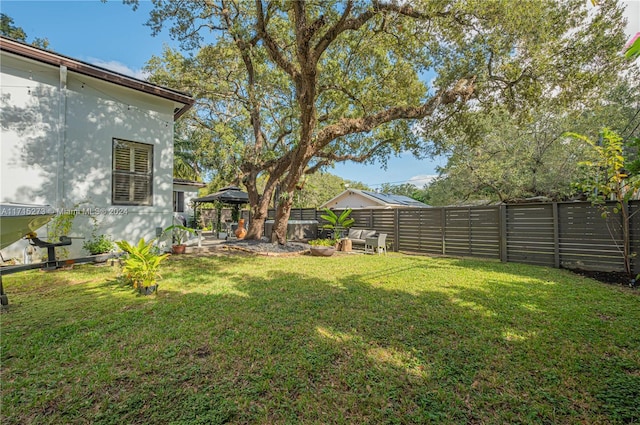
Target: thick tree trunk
258,217
283,211
288,187
259,208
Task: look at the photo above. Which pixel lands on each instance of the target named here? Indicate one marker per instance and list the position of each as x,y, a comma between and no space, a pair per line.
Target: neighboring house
359,199
184,192
82,138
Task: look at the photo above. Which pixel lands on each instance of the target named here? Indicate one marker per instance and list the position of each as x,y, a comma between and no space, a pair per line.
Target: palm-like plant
142,263
338,223
179,233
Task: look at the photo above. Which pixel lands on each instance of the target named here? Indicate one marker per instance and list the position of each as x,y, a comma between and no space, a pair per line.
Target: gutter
84,68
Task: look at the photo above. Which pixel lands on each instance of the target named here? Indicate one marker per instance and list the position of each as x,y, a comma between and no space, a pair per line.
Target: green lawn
349,339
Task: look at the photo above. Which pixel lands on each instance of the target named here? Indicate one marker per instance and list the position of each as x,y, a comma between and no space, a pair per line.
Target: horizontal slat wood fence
564,234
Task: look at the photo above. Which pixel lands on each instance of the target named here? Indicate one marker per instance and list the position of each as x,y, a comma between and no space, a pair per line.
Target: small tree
338,223
607,179
142,263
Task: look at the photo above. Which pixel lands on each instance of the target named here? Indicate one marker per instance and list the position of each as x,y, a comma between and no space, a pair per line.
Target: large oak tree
293,86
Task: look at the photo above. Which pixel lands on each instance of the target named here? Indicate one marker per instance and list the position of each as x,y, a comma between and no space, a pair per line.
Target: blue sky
114,36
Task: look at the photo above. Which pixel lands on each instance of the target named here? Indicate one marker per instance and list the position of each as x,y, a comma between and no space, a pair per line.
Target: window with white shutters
132,173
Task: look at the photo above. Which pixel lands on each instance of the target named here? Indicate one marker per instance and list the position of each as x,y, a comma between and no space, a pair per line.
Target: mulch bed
265,247
612,278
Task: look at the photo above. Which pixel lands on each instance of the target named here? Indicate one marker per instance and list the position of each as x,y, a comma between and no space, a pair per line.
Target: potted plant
97,245
323,247
142,264
179,235
337,223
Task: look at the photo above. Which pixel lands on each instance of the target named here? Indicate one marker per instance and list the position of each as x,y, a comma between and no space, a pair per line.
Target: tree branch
272,47
339,27
254,106
463,90
345,23
330,157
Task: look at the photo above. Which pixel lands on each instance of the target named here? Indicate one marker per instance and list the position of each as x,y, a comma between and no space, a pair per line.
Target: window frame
148,175
178,201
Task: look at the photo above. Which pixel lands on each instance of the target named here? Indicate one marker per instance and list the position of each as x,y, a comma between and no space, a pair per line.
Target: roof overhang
183,182
348,192
379,203
55,59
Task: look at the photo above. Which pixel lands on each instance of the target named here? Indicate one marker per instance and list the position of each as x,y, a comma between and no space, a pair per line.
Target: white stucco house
360,199
184,192
80,137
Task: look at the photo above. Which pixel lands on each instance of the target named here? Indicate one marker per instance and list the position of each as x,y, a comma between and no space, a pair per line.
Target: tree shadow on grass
295,347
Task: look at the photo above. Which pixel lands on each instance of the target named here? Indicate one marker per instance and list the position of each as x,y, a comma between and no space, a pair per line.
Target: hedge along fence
561,234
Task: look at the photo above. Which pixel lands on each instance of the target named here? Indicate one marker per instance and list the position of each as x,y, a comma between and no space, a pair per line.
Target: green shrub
142,263
99,245
323,242
179,234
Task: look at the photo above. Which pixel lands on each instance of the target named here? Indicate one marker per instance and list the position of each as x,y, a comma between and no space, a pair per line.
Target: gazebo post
218,219
230,195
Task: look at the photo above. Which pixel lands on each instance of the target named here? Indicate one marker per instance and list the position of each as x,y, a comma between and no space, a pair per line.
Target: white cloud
422,180
120,68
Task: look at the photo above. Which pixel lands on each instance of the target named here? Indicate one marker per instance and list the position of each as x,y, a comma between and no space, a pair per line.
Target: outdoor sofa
359,236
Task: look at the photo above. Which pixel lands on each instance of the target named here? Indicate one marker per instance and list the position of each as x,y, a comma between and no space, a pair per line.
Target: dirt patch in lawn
612,278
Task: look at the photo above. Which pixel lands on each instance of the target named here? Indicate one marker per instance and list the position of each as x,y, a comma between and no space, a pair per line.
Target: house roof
185,182
84,68
384,200
391,199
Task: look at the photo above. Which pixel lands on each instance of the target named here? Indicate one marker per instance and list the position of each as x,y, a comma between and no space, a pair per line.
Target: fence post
443,226
556,235
470,235
634,237
396,230
504,255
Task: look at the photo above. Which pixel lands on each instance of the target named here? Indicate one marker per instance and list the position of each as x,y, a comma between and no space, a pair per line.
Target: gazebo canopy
228,195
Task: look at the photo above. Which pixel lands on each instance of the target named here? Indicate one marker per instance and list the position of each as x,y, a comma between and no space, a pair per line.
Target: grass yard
348,339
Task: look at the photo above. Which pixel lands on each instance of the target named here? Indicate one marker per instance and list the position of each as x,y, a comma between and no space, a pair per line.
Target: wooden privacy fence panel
568,234
420,230
473,231
634,225
530,231
587,240
457,232
382,221
297,214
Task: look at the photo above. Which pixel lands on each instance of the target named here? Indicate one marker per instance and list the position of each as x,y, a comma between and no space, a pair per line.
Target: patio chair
376,243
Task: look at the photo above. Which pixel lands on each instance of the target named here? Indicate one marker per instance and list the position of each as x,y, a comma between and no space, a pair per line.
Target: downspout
62,137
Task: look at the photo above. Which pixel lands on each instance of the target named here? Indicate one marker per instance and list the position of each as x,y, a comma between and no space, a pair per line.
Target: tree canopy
8,29
509,161
286,88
